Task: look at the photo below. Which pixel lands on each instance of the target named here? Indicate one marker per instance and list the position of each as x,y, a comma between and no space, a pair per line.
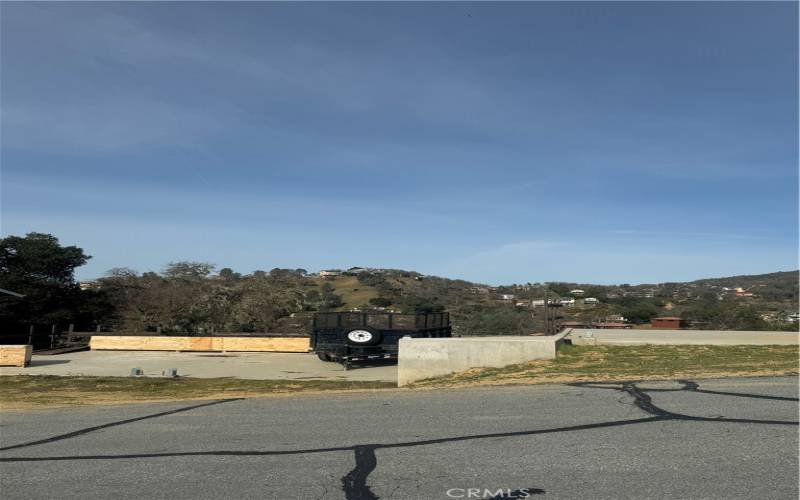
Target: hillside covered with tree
195,297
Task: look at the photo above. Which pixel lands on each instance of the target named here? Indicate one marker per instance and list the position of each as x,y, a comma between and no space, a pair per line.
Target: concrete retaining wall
581,336
425,358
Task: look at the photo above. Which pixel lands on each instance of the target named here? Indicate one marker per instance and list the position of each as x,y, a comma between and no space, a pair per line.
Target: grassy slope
353,293
596,363
31,391
574,363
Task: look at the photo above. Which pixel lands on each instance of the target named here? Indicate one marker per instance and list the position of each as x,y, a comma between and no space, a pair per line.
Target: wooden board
238,344
262,344
200,344
15,355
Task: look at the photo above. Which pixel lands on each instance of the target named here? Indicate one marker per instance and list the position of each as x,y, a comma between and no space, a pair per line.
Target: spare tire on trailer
363,337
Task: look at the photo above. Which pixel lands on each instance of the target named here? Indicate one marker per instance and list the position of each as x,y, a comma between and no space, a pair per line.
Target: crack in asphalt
354,483
645,402
688,385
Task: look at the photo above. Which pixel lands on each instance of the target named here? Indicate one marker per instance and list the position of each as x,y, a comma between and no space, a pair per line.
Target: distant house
617,318
479,290
522,303
590,301
794,317
89,285
567,302
506,296
577,292
330,273
668,323
537,303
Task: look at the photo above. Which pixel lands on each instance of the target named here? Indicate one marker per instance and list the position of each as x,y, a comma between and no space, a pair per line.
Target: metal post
30,335
52,336
546,314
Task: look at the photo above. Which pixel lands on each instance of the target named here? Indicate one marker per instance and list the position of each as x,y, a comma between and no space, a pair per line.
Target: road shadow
355,484
357,365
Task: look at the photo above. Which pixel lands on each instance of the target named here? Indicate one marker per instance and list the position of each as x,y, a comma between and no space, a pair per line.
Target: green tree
330,300
39,267
413,303
228,274
188,270
38,258
638,310
380,302
370,279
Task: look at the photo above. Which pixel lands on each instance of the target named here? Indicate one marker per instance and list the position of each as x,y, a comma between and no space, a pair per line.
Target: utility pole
546,313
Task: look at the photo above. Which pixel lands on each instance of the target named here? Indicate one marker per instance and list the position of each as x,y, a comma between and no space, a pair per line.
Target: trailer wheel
363,336
324,356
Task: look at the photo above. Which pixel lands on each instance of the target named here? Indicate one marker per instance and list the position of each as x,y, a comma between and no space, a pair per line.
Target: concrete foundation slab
257,366
581,336
421,358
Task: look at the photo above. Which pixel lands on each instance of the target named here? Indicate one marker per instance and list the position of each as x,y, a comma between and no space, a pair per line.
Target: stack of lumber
15,355
163,343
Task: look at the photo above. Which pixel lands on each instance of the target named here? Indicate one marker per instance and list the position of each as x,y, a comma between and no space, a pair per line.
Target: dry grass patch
32,391
593,363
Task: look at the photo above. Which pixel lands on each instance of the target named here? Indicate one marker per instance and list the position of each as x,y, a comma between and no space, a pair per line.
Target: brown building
668,323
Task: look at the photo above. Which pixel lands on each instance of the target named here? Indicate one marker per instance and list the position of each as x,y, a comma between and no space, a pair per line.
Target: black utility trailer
345,337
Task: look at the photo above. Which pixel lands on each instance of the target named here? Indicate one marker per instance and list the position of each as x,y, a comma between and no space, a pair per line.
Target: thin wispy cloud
523,139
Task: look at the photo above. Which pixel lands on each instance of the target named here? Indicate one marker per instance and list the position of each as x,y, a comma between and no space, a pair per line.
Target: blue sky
514,142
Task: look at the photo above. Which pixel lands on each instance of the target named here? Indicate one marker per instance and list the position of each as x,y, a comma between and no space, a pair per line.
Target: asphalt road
732,438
